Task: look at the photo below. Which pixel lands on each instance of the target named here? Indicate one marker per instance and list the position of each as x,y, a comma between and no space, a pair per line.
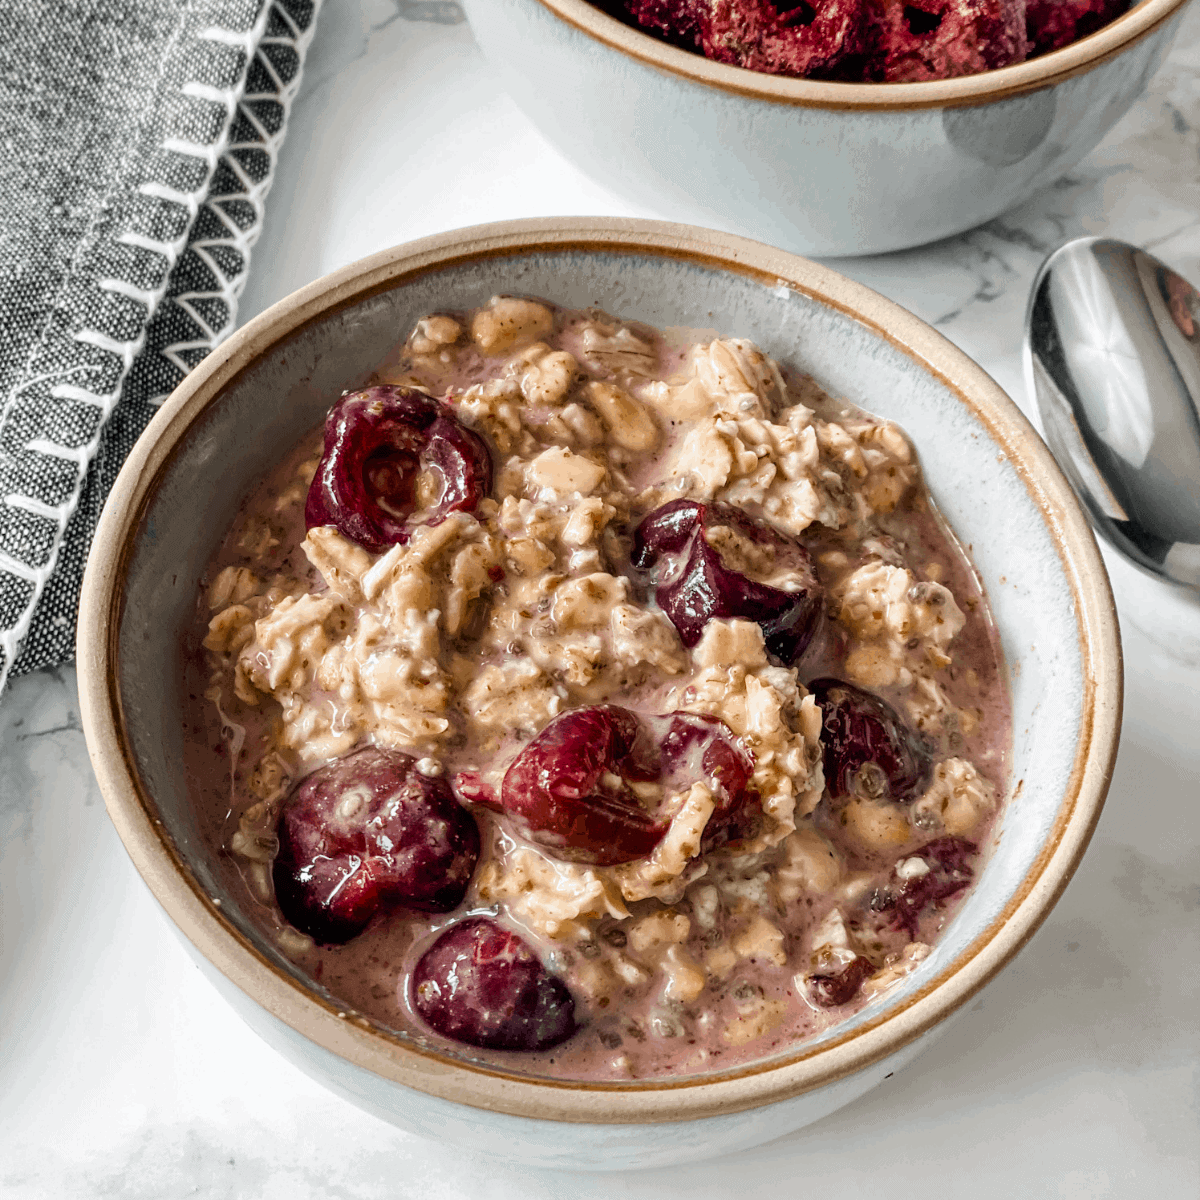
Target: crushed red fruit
869,41
1053,24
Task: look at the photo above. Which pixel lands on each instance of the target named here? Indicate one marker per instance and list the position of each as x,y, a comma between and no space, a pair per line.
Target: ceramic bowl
815,167
247,404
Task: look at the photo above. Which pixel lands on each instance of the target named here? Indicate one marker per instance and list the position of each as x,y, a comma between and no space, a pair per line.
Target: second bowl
813,166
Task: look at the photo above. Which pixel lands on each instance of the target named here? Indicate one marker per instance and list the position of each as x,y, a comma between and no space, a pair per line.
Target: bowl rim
1003,83
358,1040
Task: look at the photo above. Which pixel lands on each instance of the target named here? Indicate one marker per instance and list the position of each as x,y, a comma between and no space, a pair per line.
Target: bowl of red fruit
828,127
595,692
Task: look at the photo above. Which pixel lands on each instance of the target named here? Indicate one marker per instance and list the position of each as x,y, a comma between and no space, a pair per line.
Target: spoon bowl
1112,355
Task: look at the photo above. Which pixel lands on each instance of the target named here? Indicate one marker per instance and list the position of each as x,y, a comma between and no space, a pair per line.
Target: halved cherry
368,834
949,873
869,750
381,445
570,787
712,561
700,747
480,984
832,991
575,790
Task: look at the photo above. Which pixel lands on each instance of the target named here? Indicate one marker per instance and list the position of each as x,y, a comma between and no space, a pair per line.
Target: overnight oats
596,702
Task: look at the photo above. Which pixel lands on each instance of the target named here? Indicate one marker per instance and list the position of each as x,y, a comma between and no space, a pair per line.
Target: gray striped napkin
138,142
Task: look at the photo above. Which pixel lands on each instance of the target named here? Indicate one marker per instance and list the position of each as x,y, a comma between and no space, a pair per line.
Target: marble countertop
1074,1075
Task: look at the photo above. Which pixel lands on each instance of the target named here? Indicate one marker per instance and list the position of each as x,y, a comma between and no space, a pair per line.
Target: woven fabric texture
139,139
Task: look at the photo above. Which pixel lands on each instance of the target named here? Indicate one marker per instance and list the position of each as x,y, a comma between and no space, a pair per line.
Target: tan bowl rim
1001,84
359,1041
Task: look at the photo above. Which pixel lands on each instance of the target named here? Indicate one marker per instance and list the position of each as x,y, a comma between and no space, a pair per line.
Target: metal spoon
1112,354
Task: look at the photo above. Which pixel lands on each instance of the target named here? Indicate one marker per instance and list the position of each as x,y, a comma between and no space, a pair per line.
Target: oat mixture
671,714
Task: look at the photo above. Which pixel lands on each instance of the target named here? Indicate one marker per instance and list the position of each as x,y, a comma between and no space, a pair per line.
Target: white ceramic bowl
247,403
814,167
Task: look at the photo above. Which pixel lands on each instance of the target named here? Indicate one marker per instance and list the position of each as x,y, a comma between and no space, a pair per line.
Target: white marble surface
1074,1075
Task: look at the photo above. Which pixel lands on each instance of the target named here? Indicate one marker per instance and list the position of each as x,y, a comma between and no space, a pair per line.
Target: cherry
868,748
706,559
949,873
367,834
570,788
480,984
950,854
830,991
471,788
573,788
698,746
378,442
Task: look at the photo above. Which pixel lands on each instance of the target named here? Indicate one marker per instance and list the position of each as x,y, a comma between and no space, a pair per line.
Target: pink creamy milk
694,958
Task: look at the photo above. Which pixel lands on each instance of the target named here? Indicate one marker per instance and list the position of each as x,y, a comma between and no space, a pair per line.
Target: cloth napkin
137,144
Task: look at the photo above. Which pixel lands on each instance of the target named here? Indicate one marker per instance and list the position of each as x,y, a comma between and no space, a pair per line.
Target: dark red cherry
950,854
949,873
369,834
573,788
698,746
480,984
471,788
830,991
569,787
868,749
711,560
378,444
